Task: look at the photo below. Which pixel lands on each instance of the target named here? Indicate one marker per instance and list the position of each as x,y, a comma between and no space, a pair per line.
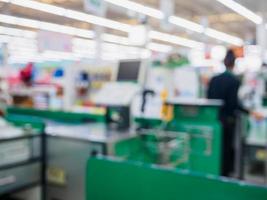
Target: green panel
116,180
202,123
199,113
205,145
147,123
205,131
56,115
133,149
26,122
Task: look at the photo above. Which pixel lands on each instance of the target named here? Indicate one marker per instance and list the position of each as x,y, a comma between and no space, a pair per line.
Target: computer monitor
129,70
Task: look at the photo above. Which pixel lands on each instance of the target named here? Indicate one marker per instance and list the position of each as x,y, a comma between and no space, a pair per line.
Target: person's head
229,60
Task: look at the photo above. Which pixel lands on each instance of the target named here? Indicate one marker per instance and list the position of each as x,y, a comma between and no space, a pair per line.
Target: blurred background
128,79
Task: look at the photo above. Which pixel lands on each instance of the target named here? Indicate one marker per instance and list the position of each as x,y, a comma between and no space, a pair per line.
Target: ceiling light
115,39
17,32
175,39
39,6
72,14
159,47
7,19
81,16
242,11
178,21
224,37
139,8
209,31
77,42
186,24
97,20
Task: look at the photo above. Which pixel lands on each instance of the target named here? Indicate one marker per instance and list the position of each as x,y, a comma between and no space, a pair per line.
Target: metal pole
43,166
239,147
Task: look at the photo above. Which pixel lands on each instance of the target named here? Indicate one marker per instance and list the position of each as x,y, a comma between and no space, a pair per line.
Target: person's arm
234,100
241,108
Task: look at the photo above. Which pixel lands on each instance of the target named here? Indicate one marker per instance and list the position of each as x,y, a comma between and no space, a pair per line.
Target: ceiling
218,16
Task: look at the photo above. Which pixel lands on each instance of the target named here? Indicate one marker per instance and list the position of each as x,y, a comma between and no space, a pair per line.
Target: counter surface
195,102
94,132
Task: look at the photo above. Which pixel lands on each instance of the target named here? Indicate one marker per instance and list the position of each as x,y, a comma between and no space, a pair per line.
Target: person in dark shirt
225,87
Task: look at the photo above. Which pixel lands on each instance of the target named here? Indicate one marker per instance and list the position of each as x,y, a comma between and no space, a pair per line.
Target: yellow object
56,176
261,155
166,110
164,95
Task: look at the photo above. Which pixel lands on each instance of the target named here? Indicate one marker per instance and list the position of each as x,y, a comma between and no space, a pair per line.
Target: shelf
20,164
30,136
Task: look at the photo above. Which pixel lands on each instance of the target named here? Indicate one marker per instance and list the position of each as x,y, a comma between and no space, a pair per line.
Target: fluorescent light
224,37
97,20
186,24
115,39
159,47
178,21
19,21
72,14
175,39
139,8
17,32
7,19
209,31
81,16
40,6
242,11
81,45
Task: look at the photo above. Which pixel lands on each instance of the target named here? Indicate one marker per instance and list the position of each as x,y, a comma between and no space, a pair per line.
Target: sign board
53,41
95,6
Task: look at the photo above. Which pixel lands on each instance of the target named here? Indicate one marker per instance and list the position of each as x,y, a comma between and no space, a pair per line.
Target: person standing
225,87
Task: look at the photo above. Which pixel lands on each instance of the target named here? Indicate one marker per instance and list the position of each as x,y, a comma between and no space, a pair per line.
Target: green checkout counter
190,139
161,159
133,180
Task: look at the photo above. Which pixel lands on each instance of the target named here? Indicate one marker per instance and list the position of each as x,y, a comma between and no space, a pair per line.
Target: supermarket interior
133,99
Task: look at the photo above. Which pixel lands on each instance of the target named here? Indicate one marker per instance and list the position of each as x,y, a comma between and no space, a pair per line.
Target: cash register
117,96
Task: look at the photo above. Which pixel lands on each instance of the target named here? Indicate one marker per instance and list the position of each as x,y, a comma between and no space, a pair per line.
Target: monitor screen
129,70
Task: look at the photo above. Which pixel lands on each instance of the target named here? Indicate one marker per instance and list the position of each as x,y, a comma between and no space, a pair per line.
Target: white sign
95,6
53,41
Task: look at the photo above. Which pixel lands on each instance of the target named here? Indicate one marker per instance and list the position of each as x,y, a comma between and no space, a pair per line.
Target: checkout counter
191,130
71,138
133,180
22,161
68,148
188,137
